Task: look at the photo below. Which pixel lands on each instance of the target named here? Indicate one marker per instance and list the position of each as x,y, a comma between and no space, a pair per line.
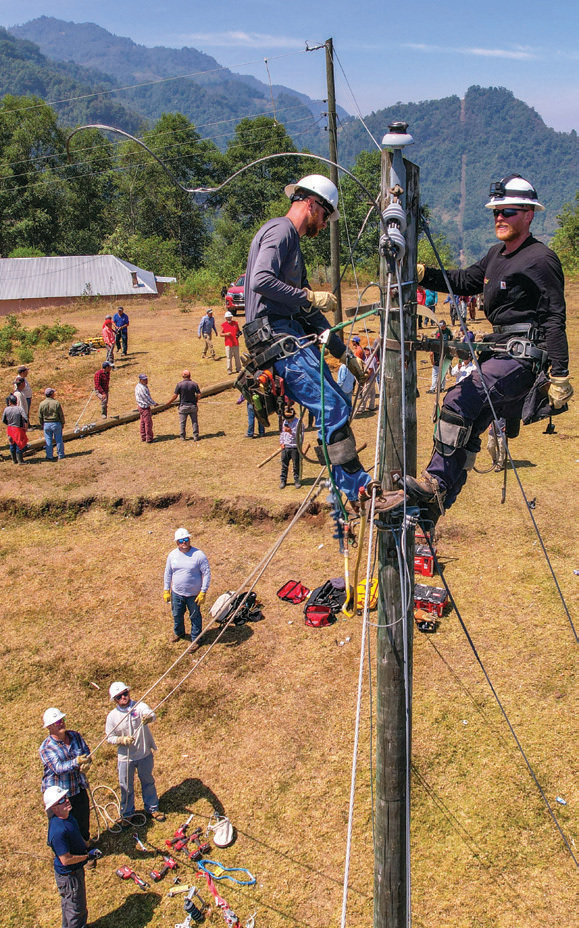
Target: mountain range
460,144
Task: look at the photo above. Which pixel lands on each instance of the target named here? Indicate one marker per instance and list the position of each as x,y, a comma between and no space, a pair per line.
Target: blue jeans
121,338
144,769
178,605
301,376
53,430
251,422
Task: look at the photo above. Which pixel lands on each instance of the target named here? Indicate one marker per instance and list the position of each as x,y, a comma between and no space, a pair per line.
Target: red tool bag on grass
293,592
324,603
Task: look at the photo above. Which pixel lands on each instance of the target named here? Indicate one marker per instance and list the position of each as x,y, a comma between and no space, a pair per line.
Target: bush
41,335
203,286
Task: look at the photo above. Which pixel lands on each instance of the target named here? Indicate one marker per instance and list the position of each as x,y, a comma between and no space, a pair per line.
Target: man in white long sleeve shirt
187,579
128,727
144,402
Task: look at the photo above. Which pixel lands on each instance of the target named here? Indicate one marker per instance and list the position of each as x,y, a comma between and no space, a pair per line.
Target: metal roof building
27,283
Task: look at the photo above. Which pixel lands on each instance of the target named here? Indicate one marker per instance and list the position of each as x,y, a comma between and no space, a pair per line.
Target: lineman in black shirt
522,282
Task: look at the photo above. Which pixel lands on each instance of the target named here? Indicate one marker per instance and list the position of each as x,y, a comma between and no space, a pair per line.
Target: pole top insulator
397,137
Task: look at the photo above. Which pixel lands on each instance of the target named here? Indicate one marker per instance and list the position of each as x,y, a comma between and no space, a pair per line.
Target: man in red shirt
230,331
101,386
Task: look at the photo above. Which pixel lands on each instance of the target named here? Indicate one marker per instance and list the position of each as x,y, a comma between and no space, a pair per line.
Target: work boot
385,499
282,484
297,483
425,490
13,453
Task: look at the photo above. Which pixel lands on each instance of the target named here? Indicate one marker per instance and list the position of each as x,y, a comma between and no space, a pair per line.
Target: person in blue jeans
51,418
187,579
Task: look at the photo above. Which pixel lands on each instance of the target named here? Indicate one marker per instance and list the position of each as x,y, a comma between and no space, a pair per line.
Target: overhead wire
355,102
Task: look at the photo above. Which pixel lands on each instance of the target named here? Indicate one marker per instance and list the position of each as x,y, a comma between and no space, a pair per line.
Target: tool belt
521,345
265,346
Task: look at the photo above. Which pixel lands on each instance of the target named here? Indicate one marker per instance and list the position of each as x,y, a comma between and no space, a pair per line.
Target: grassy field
263,729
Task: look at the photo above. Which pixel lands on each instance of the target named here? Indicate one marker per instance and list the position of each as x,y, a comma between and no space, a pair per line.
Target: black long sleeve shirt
526,285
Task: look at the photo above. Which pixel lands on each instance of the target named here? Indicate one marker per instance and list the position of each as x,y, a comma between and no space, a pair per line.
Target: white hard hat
228,315
116,688
53,795
51,716
182,533
513,190
322,187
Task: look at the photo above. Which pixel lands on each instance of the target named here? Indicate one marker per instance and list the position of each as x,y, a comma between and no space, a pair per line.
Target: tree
566,238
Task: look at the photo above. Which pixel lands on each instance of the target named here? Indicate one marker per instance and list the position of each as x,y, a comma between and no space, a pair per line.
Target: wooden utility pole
333,145
391,856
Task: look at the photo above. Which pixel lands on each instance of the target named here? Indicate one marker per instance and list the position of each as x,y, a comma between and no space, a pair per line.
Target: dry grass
265,726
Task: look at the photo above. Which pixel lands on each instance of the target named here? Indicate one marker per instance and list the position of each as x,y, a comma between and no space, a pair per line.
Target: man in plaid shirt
65,755
101,386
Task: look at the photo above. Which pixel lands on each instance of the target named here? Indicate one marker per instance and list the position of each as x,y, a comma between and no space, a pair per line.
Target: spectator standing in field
420,301
186,581
121,324
251,419
368,397
101,386
19,393
16,424
65,757
445,334
188,393
288,439
51,418
431,302
230,331
25,388
145,401
108,336
205,331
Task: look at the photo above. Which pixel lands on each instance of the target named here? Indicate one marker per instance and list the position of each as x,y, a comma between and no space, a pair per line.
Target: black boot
13,453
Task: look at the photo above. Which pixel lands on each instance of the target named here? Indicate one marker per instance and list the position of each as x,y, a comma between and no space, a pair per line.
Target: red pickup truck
235,296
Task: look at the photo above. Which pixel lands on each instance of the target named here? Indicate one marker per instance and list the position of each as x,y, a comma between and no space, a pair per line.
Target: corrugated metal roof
84,275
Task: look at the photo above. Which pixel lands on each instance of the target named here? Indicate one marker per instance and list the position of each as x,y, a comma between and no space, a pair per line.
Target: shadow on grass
40,459
522,463
232,637
135,912
189,791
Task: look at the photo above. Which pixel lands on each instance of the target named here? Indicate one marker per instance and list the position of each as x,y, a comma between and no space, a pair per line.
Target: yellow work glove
126,739
560,390
167,596
321,299
83,760
200,598
420,269
149,717
354,366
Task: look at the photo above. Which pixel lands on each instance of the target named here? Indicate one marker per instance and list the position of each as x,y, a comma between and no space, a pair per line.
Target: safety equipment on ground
341,449
167,596
321,299
217,871
321,187
325,603
221,829
560,390
354,366
423,621
200,598
420,269
451,431
513,190
126,739
181,533
116,688
51,716
244,607
293,592
53,795
80,348
148,718
83,760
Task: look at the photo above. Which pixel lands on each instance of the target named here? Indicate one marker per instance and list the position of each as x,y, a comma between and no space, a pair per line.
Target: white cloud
239,39
519,53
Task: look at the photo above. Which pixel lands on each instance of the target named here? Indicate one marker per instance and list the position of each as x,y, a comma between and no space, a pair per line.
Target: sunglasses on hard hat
508,212
120,695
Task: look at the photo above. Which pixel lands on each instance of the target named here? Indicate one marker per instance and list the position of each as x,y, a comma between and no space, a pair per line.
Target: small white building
30,283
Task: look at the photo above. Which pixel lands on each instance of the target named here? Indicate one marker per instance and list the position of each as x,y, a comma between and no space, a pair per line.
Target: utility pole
333,145
400,205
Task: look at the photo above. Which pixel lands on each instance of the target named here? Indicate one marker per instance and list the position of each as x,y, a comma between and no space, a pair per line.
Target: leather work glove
83,760
420,269
560,390
167,596
126,739
354,366
200,598
149,717
321,299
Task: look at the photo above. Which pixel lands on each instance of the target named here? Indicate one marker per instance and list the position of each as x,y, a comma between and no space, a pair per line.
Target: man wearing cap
16,425
65,756
128,728
102,379
51,418
70,856
522,283
188,393
279,302
230,331
108,335
121,326
186,581
145,401
24,387
205,331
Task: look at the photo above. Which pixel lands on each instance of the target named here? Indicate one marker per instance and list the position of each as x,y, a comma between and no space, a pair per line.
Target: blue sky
436,49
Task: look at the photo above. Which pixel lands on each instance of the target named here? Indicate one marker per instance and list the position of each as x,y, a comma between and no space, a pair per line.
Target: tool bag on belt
325,603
